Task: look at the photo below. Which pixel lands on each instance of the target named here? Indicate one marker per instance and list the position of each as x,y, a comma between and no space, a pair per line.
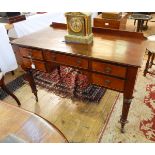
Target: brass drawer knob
107,70
29,54
53,57
107,82
78,61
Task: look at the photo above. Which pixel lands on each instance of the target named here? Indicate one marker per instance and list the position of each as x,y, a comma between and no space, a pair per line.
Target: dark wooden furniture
140,18
149,62
3,86
12,19
112,60
150,50
27,126
119,23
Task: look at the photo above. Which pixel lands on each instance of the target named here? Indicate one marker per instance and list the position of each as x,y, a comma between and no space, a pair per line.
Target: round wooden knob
79,61
107,70
53,57
107,82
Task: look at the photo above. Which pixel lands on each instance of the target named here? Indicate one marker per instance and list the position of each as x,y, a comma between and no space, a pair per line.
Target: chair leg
147,63
3,86
152,58
12,72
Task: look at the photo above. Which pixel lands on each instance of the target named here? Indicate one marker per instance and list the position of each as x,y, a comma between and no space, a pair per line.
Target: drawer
109,69
106,23
72,61
33,53
49,56
39,65
66,60
108,82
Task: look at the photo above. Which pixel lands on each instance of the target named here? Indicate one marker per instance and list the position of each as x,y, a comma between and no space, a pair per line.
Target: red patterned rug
69,82
141,126
148,126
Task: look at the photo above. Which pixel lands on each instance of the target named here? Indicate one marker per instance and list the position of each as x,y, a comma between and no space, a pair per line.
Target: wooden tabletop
107,47
27,126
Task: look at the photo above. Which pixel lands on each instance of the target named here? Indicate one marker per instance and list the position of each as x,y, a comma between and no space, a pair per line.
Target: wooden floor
79,121
18,125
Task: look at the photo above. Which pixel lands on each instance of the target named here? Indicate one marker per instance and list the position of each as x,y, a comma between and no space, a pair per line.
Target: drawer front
109,69
25,52
107,23
31,53
108,82
49,56
111,24
66,60
40,65
72,61
26,63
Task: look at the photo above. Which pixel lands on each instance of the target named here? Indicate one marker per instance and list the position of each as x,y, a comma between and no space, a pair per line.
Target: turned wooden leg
147,63
59,72
12,72
76,85
128,94
138,25
125,111
30,79
152,58
3,86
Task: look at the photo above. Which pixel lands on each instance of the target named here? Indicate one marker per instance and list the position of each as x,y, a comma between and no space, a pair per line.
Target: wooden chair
150,50
7,59
3,86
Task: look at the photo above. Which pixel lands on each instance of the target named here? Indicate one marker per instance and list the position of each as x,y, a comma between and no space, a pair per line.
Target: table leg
128,95
138,25
125,111
3,86
30,79
147,63
152,58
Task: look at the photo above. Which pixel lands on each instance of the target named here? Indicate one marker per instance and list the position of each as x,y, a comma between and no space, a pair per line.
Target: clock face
75,24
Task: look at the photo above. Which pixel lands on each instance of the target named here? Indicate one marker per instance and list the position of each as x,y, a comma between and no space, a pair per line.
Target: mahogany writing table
112,60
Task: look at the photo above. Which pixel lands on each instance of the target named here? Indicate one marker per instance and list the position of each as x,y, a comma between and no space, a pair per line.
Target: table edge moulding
112,60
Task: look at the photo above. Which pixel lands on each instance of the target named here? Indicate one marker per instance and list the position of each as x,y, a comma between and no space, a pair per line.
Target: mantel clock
79,27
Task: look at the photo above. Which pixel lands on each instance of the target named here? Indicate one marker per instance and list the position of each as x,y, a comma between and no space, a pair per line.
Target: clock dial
75,24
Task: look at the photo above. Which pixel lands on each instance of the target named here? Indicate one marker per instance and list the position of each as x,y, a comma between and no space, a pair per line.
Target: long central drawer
66,59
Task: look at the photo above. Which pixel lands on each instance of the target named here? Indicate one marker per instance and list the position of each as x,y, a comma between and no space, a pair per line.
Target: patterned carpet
69,83
62,86
141,126
12,86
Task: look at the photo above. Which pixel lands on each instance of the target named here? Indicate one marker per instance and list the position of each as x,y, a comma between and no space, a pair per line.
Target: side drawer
26,63
109,69
105,23
33,53
108,82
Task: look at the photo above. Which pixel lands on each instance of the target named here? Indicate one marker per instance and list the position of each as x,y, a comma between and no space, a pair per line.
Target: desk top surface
107,47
